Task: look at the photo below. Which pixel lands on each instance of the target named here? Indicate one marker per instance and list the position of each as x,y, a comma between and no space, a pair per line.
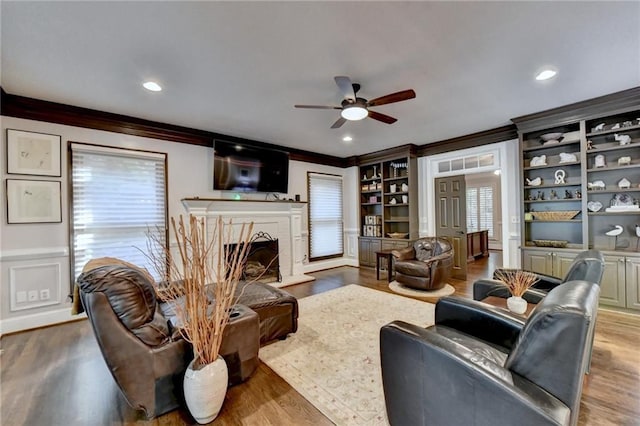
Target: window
118,195
325,216
480,209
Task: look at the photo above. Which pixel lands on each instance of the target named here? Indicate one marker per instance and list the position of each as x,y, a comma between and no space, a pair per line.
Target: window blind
118,196
480,209
325,216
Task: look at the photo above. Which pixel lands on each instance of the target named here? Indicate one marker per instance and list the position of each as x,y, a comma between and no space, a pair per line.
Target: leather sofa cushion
413,268
132,298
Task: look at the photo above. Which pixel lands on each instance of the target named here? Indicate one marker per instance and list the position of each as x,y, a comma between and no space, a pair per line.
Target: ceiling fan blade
339,122
346,87
382,117
394,97
318,106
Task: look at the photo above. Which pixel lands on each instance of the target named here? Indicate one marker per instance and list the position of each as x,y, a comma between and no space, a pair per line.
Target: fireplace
282,220
262,262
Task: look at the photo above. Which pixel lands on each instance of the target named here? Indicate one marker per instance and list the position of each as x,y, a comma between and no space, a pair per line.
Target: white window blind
480,209
118,195
472,209
325,216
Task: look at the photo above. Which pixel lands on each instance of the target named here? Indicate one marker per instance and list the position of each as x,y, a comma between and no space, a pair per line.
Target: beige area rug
396,287
333,359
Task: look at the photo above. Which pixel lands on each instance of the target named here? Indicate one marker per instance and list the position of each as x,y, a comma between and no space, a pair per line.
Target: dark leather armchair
145,356
587,266
482,365
426,265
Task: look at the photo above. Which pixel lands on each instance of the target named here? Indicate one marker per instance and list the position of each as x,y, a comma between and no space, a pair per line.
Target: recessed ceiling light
152,85
347,139
546,74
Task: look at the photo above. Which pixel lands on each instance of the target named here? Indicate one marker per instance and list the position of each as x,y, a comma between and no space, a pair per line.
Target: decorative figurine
578,194
597,185
622,139
615,126
559,175
600,161
567,158
532,197
540,195
538,161
554,195
637,236
535,182
624,161
567,195
624,183
614,233
627,123
589,144
594,206
598,128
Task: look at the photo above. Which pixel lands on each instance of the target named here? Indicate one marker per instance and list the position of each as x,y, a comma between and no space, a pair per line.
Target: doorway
486,159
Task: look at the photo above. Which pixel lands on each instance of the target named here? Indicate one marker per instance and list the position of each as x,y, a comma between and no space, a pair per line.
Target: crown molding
591,108
53,112
499,134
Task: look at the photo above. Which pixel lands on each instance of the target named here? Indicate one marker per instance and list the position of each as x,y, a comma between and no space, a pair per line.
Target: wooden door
451,220
612,287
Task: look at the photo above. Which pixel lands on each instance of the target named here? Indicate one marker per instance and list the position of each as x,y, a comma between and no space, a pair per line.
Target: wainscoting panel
34,286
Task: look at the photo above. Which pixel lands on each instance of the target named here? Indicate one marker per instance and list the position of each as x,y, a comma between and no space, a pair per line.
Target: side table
240,343
501,302
382,255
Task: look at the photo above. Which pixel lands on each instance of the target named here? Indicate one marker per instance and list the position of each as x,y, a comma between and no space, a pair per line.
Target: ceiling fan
354,108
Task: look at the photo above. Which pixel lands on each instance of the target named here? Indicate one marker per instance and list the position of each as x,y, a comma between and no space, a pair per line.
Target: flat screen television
238,167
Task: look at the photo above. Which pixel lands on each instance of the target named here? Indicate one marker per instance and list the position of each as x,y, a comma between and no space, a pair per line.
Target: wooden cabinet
367,250
549,262
477,244
620,285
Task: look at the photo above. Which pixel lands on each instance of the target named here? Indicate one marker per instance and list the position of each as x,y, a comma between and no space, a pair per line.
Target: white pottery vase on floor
517,304
205,389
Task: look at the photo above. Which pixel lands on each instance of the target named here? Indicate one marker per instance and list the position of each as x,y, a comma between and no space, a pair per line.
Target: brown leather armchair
426,265
145,356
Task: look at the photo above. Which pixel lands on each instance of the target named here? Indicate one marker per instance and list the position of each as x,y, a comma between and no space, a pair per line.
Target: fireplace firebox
262,262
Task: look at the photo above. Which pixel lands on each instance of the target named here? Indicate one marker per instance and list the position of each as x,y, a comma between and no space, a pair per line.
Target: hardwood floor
57,376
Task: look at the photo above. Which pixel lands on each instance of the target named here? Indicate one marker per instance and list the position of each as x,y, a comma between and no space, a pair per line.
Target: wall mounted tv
246,168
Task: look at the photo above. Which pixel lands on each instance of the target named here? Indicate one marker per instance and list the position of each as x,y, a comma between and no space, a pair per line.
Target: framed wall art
30,153
33,201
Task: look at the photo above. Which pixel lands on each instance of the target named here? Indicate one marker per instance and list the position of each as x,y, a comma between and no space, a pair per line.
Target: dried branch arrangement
201,280
516,280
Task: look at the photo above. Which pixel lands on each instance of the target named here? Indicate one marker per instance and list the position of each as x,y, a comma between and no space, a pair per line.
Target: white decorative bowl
551,136
397,235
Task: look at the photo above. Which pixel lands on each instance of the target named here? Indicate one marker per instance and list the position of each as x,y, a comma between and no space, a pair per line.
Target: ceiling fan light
354,113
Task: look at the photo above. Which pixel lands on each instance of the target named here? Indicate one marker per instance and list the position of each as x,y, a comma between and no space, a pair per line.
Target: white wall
36,256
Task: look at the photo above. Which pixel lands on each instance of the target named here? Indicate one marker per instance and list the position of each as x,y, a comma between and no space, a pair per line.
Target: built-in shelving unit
600,161
388,204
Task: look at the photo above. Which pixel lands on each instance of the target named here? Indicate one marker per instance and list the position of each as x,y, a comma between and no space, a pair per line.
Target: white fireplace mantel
279,219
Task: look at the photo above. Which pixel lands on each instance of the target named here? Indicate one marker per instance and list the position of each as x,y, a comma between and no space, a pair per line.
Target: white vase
517,304
205,389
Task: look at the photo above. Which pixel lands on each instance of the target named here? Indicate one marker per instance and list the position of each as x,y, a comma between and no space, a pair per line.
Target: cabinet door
538,261
612,287
562,262
364,252
632,269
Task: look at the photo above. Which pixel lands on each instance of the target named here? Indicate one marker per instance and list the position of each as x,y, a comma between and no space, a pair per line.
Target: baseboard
330,263
41,319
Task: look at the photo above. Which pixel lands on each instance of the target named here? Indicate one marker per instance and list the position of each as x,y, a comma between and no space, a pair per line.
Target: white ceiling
239,67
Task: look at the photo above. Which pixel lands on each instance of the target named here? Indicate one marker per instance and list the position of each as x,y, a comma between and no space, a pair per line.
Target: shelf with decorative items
551,167
395,207
602,185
